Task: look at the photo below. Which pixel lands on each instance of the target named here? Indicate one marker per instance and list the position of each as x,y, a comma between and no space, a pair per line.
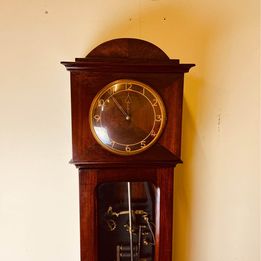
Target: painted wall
217,187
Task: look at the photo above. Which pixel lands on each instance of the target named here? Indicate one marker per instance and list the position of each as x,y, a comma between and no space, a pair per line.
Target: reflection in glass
102,134
126,221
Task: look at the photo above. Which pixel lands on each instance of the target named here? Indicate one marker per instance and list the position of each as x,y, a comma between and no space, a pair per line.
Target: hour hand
127,117
128,102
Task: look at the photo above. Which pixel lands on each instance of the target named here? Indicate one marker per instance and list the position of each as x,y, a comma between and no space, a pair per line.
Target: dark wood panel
88,215
165,183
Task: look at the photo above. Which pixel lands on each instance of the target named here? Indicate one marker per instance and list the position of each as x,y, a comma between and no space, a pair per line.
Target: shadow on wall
181,35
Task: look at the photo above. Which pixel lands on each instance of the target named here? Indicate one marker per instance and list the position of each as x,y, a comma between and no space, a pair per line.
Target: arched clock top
128,55
128,48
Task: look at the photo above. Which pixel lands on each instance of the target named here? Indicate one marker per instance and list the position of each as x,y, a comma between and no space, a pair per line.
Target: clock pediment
128,48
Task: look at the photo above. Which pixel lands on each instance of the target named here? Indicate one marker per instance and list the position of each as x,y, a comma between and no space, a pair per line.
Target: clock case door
97,242
99,169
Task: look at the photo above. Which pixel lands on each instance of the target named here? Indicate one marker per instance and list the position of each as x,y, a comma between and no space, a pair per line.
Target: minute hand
121,109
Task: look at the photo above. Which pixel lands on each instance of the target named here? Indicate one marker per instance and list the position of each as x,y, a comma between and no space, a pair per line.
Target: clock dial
127,117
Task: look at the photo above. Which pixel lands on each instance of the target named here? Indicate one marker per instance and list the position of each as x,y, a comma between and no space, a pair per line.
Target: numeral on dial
127,148
112,90
158,118
153,133
97,118
155,102
143,144
101,103
128,86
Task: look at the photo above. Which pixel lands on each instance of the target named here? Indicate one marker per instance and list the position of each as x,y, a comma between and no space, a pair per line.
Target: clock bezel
159,101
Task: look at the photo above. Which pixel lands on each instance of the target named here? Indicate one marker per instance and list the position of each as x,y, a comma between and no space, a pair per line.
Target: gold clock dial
127,117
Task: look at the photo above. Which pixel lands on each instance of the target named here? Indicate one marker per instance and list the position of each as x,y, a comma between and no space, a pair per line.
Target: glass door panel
126,221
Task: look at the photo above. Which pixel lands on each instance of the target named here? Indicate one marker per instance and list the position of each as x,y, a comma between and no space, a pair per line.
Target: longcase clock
126,101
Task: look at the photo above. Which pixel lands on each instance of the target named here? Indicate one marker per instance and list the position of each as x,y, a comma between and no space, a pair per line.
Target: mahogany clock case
107,179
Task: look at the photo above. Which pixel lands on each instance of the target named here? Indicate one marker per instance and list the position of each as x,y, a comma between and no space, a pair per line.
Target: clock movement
126,102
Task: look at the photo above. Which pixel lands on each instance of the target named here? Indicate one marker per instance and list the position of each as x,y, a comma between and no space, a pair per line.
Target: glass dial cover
127,117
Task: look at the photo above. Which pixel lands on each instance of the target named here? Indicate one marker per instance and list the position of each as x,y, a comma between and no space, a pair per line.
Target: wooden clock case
142,61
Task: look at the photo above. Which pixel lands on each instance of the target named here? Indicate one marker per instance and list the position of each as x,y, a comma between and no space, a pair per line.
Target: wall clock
126,100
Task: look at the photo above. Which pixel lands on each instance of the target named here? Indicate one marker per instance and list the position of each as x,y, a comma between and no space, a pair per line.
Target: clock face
127,117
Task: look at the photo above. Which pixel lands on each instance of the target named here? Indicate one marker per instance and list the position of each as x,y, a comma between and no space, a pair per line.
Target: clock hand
120,108
128,102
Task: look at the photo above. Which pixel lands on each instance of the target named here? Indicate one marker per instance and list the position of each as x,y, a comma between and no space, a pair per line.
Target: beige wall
217,187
